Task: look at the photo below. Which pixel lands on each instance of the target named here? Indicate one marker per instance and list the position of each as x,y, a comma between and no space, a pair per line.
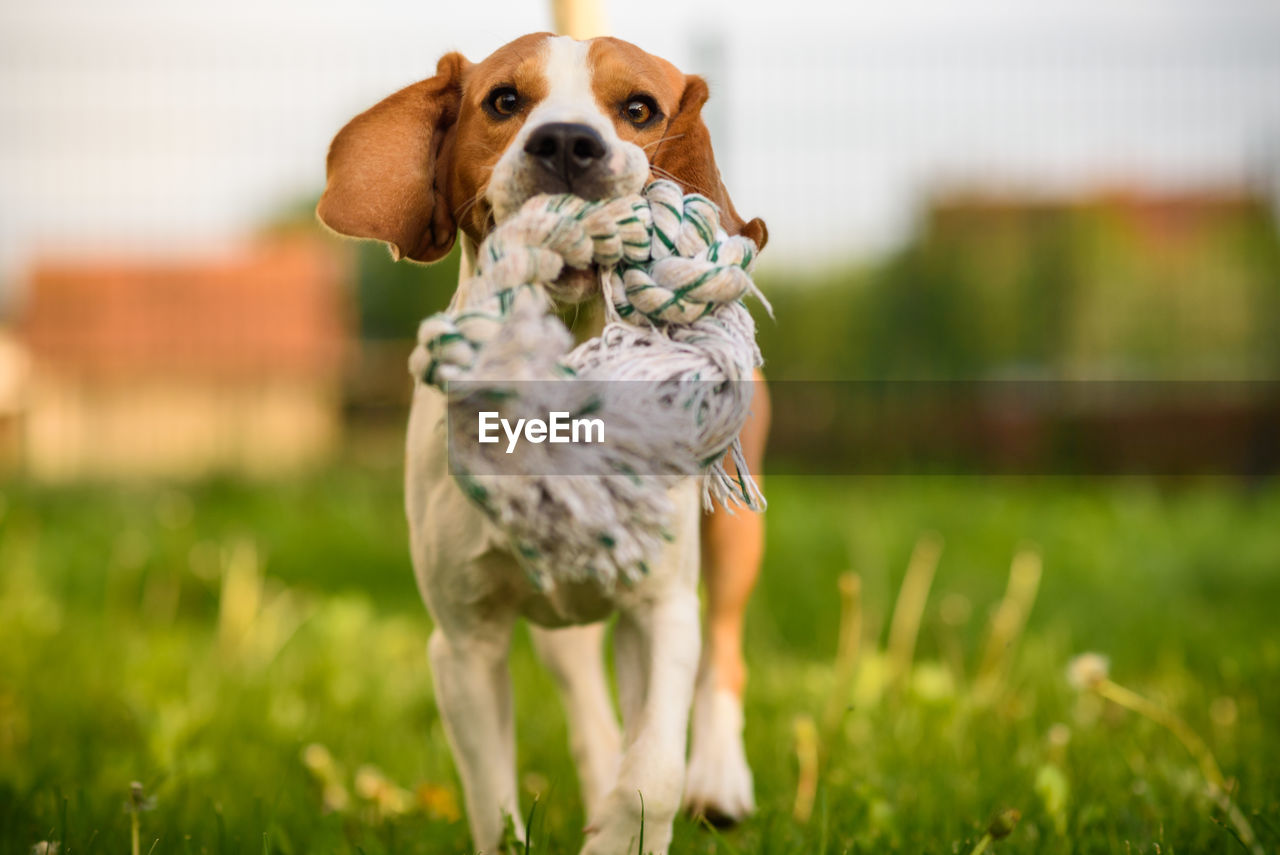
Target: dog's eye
503,101
639,111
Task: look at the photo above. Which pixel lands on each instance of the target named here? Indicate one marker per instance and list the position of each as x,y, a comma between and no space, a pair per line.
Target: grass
253,655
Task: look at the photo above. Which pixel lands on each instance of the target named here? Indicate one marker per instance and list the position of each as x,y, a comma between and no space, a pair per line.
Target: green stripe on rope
678,294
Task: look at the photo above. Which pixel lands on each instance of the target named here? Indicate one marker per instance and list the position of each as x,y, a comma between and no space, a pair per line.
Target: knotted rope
669,375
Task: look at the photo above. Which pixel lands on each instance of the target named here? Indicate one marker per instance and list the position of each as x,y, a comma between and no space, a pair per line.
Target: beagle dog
455,153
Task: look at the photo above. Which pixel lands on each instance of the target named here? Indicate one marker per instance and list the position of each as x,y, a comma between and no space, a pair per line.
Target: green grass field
200,639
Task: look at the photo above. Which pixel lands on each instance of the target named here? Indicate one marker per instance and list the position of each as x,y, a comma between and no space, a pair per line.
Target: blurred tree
1100,286
395,296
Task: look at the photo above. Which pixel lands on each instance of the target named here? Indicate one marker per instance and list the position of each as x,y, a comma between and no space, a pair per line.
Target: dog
453,154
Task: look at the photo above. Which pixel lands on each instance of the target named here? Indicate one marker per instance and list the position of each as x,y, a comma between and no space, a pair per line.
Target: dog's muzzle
570,158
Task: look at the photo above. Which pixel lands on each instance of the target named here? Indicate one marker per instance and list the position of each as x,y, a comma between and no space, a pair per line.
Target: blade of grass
528,825
1009,620
909,609
640,848
847,650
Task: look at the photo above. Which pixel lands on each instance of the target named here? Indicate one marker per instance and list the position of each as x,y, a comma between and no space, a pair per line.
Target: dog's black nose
567,149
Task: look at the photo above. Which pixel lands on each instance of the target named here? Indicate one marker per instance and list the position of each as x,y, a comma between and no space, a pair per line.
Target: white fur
719,780
476,591
569,99
569,96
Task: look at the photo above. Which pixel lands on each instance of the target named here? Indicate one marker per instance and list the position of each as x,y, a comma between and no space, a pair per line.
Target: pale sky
168,125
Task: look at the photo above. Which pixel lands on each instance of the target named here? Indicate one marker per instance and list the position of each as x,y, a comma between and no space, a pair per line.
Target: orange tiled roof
275,309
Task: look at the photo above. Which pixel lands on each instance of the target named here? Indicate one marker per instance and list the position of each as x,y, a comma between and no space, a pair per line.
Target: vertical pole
580,19
710,58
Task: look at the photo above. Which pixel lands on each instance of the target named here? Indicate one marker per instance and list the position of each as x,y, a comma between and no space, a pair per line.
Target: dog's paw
611,841
621,827
718,784
627,842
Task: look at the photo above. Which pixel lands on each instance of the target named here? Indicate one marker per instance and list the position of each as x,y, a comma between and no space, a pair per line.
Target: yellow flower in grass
370,782
324,769
335,797
439,802
387,797
318,761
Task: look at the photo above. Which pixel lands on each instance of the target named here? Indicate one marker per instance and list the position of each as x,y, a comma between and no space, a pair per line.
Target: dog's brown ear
687,155
388,168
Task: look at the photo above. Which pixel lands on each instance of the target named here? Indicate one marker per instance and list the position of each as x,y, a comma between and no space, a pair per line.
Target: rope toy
670,375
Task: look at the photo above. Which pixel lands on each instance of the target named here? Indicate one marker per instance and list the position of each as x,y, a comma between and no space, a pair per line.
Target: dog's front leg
473,691
573,656
651,777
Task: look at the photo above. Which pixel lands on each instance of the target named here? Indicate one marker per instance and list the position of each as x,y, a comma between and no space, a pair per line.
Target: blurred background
954,191
1006,239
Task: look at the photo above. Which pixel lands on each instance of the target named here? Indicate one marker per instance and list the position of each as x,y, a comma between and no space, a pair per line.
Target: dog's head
543,114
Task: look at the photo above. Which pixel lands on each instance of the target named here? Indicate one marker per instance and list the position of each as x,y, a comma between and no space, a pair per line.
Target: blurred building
144,367
14,370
